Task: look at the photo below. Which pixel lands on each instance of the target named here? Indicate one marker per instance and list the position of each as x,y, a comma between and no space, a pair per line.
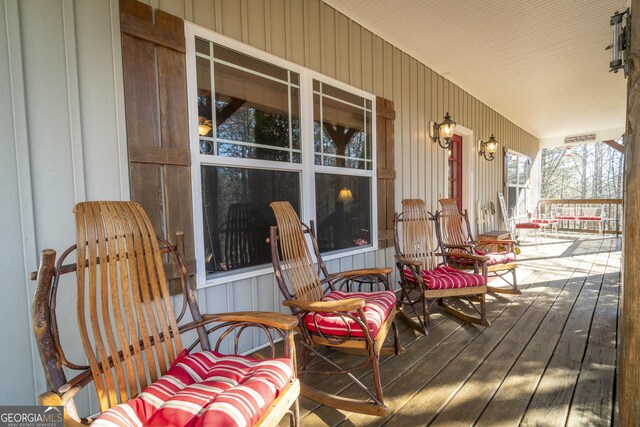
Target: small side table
495,235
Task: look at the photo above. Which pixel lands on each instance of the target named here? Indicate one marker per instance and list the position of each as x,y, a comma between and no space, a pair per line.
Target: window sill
216,281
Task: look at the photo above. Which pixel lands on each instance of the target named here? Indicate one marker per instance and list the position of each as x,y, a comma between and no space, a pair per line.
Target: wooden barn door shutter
385,115
155,87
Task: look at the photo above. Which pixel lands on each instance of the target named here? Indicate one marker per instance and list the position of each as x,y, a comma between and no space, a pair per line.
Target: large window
269,130
342,141
517,169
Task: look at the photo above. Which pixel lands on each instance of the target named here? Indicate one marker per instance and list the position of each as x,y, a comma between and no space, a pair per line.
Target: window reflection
237,216
343,211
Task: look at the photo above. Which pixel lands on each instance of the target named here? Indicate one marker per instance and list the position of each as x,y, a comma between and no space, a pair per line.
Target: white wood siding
64,133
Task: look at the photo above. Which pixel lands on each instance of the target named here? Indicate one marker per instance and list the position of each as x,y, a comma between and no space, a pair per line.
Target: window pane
512,168
249,106
343,211
236,214
227,55
512,198
342,128
203,66
523,166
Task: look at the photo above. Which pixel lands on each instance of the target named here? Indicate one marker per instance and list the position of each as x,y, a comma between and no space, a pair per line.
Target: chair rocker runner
423,281
143,375
454,237
352,322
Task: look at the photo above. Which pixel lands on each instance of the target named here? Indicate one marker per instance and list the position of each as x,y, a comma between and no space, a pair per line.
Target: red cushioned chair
423,281
141,371
353,322
454,236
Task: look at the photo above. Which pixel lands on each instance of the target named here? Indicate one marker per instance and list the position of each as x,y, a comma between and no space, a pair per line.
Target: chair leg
295,414
483,311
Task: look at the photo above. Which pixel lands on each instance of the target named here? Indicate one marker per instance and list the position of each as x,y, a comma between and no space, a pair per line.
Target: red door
455,170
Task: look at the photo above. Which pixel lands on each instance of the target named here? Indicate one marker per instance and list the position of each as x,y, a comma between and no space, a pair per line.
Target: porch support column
630,328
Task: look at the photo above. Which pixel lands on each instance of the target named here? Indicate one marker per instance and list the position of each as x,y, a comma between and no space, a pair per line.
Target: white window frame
307,167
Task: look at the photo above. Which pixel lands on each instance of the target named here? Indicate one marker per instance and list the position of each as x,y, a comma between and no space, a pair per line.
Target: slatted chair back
296,263
453,225
418,242
126,319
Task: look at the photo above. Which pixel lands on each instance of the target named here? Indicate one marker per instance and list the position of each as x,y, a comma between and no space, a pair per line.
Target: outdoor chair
141,371
455,238
331,314
424,281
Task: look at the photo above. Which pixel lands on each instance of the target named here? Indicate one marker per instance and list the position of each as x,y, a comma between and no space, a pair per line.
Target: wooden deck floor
548,359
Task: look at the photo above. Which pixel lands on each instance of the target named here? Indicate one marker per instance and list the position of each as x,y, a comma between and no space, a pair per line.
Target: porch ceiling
541,64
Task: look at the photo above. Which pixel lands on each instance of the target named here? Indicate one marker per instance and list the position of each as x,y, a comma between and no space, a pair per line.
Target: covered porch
206,111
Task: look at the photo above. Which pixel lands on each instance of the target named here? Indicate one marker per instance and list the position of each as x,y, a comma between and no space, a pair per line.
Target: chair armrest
282,321
480,258
54,399
462,246
349,304
408,261
361,272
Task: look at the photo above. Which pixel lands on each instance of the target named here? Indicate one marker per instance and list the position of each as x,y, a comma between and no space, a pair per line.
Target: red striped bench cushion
589,218
445,277
376,310
544,221
205,389
571,217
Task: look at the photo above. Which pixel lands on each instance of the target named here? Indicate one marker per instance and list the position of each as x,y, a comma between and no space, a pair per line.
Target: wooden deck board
548,359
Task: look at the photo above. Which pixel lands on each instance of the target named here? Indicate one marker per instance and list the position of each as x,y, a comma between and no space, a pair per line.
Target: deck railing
570,211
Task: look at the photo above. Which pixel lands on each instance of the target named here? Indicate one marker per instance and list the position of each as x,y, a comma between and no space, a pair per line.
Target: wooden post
630,309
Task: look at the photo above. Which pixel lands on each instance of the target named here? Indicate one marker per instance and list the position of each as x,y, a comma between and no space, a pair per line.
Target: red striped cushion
566,217
533,225
376,310
589,218
445,277
205,389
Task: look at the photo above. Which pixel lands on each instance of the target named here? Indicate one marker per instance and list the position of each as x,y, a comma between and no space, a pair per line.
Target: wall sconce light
345,195
488,148
442,132
620,41
568,153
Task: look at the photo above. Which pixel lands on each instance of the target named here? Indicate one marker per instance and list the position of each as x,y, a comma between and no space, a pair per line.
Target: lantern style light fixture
620,41
442,132
488,148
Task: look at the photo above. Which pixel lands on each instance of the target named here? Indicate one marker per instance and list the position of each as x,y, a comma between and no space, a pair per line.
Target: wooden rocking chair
423,281
454,237
352,322
136,360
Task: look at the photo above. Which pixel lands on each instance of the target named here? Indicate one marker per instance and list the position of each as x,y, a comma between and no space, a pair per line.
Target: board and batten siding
64,134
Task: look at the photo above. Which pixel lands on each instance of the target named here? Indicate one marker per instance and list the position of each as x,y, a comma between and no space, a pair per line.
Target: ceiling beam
615,145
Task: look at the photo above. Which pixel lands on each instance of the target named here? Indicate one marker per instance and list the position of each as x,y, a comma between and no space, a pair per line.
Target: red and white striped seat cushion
566,217
377,306
589,218
205,389
445,277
